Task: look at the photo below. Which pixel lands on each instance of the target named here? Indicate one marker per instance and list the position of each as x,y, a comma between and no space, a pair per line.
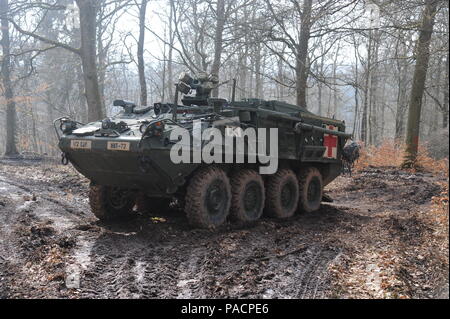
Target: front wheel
208,198
111,203
311,189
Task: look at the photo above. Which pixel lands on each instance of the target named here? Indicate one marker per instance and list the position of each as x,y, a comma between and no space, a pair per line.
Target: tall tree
218,41
302,53
418,85
294,23
11,148
140,52
87,52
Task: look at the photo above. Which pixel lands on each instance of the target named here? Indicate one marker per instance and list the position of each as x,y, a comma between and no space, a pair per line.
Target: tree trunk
88,53
373,105
418,85
280,78
83,109
302,53
11,148
335,87
401,101
446,95
242,92
169,62
258,80
140,52
436,108
218,42
368,78
101,69
355,117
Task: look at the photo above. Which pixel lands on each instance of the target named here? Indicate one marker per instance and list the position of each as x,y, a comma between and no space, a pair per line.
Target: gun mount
203,84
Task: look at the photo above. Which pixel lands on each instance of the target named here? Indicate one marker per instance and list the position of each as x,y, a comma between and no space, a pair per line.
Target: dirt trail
372,241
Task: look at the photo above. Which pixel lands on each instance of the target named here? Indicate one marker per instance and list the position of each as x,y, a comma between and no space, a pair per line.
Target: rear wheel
248,196
111,203
282,194
208,198
311,189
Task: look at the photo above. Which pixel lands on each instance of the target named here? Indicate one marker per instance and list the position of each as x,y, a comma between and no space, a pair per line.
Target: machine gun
203,84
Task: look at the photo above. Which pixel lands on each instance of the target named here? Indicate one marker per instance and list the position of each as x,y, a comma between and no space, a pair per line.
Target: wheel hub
313,191
287,195
118,197
215,198
252,198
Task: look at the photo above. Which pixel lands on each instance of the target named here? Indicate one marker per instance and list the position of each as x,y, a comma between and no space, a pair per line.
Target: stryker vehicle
130,162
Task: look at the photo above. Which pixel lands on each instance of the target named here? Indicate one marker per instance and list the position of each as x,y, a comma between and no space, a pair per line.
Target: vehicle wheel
208,198
156,205
247,203
110,203
311,189
282,194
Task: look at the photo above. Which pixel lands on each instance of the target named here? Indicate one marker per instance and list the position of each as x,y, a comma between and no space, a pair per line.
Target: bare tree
140,52
418,86
218,41
87,52
11,148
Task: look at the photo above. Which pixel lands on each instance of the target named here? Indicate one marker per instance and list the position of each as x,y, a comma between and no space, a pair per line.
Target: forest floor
381,238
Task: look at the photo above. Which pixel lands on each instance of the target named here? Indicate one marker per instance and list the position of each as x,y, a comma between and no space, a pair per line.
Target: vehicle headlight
106,124
152,129
68,126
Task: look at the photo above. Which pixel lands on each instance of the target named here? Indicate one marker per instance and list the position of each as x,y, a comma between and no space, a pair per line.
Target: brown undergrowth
391,153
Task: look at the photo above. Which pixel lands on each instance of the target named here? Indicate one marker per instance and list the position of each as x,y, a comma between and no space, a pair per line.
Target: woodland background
350,59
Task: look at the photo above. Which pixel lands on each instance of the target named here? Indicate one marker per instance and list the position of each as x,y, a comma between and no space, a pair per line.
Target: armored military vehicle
147,158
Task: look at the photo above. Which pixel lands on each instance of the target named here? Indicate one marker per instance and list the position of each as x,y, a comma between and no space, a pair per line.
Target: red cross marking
330,142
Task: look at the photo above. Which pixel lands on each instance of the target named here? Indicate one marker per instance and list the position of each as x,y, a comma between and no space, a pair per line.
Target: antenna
175,104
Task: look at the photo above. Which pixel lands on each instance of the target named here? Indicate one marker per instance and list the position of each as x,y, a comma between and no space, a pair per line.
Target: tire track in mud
32,207
103,270
144,259
141,272
189,278
106,264
315,279
300,274
15,212
160,270
109,264
35,189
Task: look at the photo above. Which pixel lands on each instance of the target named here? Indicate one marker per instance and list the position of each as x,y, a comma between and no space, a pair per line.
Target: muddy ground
376,240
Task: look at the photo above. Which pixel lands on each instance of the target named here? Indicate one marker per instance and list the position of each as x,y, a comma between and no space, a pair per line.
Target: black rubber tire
282,194
102,201
207,187
155,205
244,183
311,189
